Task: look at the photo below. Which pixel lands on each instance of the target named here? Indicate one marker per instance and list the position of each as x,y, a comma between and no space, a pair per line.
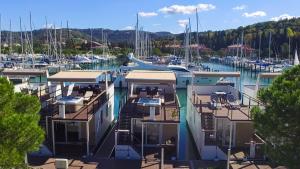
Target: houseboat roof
151,76
77,76
216,74
269,75
24,72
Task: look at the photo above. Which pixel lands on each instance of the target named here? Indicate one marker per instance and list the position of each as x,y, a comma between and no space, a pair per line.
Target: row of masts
25,40
188,41
143,42
240,50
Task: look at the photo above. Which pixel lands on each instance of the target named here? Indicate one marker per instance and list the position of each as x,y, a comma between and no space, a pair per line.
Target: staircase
207,121
126,146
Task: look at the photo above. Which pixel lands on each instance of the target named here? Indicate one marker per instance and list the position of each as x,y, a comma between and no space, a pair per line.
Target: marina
182,87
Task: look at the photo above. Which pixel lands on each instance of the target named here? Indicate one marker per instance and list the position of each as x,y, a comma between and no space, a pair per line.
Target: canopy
146,76
77,76
24,72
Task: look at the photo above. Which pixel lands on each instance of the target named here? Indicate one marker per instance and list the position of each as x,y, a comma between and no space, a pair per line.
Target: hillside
217,41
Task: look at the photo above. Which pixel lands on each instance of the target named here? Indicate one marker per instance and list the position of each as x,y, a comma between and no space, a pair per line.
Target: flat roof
217,74
23,72
76,76
151,76
269,75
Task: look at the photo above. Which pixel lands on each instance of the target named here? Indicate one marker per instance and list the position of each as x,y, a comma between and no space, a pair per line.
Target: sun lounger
87,96
233,103
214,101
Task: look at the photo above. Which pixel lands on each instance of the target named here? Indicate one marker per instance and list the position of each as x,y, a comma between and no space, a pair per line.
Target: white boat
183,75
82,60
296,60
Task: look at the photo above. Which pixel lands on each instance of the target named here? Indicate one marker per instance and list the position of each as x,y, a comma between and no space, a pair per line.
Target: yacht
183,75
82,60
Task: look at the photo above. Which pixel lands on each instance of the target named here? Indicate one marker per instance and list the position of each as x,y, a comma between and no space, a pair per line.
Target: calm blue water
187,149
247,78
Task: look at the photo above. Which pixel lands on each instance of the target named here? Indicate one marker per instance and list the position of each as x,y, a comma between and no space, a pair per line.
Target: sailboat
183,72
296,60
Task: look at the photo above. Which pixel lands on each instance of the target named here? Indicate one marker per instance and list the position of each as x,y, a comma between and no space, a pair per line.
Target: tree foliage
19,129
279,122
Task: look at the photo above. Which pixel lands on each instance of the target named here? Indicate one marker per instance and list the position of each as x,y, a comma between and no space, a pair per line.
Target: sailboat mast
259,46
197,34
10,38
190,41
31,34
137,36
47,37
102,41
55,42
270,38
242,44
187,37
91,31
21,36
60,42
68,29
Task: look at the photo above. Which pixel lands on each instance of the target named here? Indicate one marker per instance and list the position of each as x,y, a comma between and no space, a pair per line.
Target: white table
152,103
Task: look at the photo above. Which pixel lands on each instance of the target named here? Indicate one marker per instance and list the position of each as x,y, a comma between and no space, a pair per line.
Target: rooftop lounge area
152,97
223,102
77,100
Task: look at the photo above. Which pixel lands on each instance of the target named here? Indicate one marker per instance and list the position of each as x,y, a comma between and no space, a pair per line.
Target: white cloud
239,8
128,28
147,14
183,22
255,14
186,9
282,17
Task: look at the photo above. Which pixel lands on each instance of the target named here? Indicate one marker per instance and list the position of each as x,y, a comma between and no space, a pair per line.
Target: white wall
101,127
207,152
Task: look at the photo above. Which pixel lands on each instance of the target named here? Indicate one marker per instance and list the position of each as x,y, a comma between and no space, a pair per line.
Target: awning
146,76
24,72
77,76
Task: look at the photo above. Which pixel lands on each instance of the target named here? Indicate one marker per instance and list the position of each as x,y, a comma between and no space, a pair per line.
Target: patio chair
214,101
143,94
233,103
87,96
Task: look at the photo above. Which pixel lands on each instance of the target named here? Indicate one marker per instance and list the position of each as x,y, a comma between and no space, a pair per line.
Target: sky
154,15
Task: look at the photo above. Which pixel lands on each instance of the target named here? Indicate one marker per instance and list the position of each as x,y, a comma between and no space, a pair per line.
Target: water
247,78
187,149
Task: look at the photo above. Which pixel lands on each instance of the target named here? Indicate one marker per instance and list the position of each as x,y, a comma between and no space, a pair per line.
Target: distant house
237,47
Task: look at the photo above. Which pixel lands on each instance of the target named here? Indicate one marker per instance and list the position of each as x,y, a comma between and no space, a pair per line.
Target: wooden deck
93,163
87,110
168,112
203,104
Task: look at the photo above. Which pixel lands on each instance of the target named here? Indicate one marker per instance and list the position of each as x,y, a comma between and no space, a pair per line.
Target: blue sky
155,15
